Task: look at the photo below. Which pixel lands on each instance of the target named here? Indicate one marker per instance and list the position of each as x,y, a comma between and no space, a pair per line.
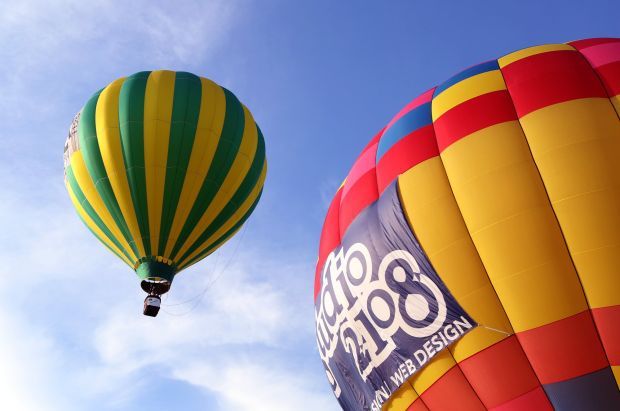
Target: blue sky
321,77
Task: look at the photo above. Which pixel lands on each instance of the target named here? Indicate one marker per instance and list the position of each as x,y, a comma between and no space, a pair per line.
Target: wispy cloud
249,385
85,40
235,346
29,360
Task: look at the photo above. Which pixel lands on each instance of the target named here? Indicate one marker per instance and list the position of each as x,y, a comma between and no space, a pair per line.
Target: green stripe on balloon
183,125
87,134
88,209
227,148
131,123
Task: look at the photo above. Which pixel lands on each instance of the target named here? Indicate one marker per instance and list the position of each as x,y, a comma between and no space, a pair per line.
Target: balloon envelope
469,260
164,167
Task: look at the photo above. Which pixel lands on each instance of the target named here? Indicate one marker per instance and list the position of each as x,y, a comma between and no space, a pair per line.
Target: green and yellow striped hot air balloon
163,167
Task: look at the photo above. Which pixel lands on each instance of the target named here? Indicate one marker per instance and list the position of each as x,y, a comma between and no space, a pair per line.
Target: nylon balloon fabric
163,167
507,177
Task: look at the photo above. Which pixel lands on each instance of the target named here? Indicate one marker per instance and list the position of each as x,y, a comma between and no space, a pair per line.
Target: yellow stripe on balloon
234,178
466,90
95,229
575,145
432,211
401,399
236,217
507,211
87,186
208,132
158,100
109,138
530,51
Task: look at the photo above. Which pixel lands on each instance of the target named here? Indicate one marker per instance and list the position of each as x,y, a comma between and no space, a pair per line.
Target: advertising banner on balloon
382,311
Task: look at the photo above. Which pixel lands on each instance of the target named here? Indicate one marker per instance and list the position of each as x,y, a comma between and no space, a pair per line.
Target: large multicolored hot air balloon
470,259
163,167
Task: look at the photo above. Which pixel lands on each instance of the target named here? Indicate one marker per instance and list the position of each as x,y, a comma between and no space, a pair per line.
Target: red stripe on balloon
581,44
361,194
564,349
532,400
610,77
607,321
462,396
473,115
417,405
486,372
330,238
549,78
412,149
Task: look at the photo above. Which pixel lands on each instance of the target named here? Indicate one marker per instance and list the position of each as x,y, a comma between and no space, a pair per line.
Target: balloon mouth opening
155,271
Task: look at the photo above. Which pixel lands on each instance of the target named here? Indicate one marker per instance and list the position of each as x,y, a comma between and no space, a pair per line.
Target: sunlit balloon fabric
508,175
163,167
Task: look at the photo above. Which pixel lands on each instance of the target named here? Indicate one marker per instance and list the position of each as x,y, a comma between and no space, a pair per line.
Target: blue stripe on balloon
467,73
595,391
415,119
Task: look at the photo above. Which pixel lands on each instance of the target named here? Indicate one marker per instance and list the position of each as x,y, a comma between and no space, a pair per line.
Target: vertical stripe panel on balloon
226,152
89,146
506,210
234,178
603,54
236,175
484,84
84,181
435,218
507,213
157,118
209,129
108,136
94,228
184,122
410,149
131,122
574,136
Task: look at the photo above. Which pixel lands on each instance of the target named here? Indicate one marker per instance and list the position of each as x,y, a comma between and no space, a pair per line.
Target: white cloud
239,336
28,360
238,311
248,385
